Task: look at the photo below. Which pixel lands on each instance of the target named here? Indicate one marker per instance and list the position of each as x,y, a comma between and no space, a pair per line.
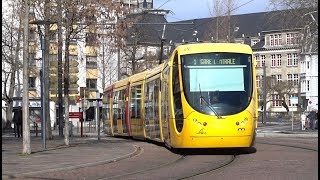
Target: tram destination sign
213,62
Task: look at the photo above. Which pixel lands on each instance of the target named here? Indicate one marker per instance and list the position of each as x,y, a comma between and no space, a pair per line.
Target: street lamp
42,79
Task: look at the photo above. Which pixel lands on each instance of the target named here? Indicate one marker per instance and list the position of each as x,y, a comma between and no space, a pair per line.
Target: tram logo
202,131
241,129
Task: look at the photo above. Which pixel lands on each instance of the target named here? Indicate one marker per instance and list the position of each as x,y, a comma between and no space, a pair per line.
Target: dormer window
275,40
292,38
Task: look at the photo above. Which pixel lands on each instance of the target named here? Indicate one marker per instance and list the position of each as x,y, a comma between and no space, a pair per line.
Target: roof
244,25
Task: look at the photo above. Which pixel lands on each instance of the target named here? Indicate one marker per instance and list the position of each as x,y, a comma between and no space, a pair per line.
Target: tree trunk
60,109
46,74
25,98
66,83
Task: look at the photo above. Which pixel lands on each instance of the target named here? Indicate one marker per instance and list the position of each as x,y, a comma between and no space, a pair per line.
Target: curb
286,134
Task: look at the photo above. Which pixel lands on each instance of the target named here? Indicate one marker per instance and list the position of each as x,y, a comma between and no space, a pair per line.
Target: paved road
88,151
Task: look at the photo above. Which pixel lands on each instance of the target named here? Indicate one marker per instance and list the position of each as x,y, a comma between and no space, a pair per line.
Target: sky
195,9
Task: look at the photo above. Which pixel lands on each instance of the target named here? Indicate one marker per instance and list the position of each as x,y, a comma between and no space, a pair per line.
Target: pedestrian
303,121
312,118
17,120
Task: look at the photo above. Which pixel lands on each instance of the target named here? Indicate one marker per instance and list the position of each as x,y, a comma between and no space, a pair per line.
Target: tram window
149,101
156,95
177,96
136,102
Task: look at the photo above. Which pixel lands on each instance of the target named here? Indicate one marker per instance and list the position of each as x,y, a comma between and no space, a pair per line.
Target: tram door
119,112
164,104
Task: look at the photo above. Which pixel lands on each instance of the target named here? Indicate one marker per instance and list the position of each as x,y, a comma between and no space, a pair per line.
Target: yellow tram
203,96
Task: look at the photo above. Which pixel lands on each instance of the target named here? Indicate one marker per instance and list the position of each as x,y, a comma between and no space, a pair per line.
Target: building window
290,79
289,39
295,59
308,65
271,40
292,59
91,39
53,35
308,85
279,78
91,62
32,34
279,60
258,61
276,101
32,82
275,40
92,84
273,80
91,65
263,60
293,79
289,59
258,81
276,79
292,39
273,60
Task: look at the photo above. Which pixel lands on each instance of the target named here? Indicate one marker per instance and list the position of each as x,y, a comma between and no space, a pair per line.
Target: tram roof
121,83
192,48
138,77
155,70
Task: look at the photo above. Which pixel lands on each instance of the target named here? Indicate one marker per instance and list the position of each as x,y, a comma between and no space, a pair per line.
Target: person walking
303,121
17,120
312,118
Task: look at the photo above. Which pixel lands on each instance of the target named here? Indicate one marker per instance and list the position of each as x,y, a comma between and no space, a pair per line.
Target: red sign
78,100
75,114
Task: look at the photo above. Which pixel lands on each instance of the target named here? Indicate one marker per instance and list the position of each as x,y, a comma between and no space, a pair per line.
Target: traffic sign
75,115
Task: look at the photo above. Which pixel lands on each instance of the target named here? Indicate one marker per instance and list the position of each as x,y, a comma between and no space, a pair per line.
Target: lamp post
43,80
43,97
264,118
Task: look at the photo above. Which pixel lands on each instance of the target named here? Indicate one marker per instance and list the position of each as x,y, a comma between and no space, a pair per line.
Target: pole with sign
293,100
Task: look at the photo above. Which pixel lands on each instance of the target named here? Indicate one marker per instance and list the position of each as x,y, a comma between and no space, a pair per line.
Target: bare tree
11,39
283,89
222,26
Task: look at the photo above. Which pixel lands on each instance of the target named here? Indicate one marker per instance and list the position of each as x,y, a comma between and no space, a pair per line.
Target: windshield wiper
210,107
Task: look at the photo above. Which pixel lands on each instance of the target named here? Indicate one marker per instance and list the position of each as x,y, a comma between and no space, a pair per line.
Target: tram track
186,161
227,163
291,146
147,169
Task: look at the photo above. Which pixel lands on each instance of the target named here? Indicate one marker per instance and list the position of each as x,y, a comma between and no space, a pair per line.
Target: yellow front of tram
213,96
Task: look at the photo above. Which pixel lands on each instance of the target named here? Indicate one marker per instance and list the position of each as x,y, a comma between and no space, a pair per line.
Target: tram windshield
217,83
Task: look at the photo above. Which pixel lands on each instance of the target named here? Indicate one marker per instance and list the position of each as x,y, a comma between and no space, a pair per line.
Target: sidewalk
284,129
82,152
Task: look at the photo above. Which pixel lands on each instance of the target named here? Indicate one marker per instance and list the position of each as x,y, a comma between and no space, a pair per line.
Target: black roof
243,26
